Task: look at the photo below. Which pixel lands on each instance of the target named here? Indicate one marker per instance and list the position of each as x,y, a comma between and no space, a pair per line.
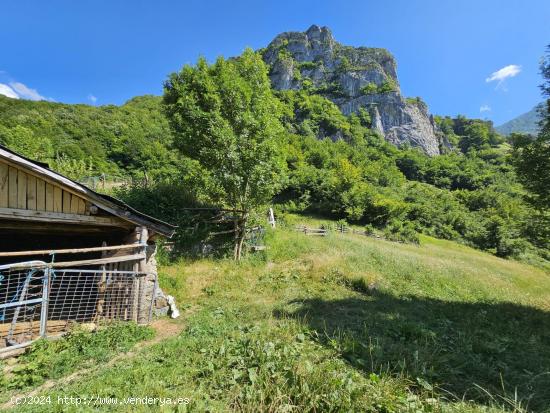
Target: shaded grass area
346,323
503,348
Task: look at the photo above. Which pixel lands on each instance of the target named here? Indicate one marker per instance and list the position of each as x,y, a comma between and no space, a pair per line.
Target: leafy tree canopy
226,117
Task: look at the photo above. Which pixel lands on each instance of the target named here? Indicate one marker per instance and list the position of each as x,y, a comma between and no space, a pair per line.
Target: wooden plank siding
49,197
106,204
66,202
4,174
57,199
22,190
40,195
12,188
31,192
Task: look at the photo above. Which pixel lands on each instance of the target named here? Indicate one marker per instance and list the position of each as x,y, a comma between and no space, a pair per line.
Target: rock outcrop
353,78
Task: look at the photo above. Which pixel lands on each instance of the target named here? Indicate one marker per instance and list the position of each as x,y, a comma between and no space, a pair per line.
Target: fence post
45,302
271,218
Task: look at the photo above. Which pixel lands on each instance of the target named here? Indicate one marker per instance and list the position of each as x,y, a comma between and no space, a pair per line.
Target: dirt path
164,328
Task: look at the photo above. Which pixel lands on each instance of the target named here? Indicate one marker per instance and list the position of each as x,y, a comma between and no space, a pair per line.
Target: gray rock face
353,78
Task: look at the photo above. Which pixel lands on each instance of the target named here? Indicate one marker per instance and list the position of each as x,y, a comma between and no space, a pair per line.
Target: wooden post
45,303
148,282
271,218
140,266
102,287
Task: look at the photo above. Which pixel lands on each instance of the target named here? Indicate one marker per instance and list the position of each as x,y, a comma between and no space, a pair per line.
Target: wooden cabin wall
21,190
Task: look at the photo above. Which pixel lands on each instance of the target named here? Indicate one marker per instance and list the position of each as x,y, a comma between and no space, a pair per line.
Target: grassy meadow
344,323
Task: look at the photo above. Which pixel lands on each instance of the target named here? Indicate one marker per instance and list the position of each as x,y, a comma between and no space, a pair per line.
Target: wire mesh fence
21,302
46,301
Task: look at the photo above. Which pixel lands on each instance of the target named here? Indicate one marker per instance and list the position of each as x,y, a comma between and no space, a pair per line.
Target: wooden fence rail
341,229
312,231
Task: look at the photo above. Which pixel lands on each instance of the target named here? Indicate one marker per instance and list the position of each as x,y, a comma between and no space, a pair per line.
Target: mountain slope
525,123
354,78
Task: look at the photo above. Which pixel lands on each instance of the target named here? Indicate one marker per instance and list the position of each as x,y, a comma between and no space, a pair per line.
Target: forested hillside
469,194
527,122
83,140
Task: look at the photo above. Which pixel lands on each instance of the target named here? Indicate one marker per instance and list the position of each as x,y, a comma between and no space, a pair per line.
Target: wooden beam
97,261
59,228
70,250
61,217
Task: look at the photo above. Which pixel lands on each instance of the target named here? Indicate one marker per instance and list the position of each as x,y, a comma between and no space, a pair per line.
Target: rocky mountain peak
353,78
319,35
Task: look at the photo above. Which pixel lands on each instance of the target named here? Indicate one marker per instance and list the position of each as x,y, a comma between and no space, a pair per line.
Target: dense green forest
470,193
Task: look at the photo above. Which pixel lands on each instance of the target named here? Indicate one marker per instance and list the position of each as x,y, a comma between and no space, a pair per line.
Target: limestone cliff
353,78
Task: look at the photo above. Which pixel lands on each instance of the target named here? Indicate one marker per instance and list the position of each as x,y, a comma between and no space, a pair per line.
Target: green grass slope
344,323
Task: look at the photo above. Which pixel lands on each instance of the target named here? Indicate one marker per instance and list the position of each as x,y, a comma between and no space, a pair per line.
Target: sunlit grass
348,323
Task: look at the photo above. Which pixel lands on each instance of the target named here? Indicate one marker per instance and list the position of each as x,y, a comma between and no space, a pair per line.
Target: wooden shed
69,254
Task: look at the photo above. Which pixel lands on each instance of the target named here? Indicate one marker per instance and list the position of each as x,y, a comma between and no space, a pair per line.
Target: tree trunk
236,240
240,233
241,241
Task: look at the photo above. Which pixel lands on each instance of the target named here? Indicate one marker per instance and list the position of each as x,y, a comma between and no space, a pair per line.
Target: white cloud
485,108
502,74
26,92
92,98
18,90
8,91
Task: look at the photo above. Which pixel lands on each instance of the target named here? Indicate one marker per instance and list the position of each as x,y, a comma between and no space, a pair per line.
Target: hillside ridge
527,122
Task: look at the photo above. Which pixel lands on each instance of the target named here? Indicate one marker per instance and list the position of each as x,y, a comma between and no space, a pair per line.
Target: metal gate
37,300
23,299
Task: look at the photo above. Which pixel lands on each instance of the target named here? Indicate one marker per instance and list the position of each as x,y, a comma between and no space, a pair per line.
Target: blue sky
101,52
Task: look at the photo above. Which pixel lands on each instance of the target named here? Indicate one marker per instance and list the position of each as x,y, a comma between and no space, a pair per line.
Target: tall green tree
532,157
225,117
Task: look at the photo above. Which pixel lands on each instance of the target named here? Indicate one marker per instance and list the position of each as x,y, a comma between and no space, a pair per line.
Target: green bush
369,89
369,229
308,65
401,232
388,86
177,204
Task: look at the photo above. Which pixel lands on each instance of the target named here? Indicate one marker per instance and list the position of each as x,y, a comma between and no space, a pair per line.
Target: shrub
369,229
402,232
388,86
369,89
308,65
